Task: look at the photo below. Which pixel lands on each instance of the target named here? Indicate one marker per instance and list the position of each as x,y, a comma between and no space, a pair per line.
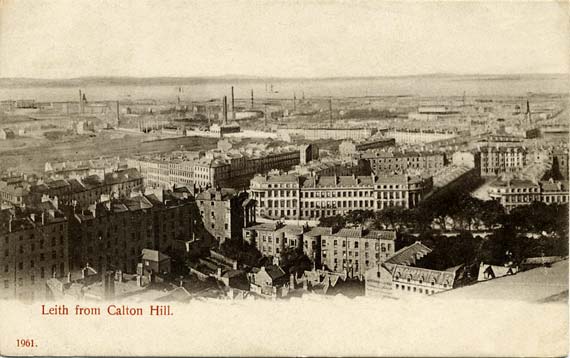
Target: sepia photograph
284,178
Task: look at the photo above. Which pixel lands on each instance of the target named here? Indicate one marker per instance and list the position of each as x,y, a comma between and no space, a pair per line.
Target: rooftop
360,232
540,284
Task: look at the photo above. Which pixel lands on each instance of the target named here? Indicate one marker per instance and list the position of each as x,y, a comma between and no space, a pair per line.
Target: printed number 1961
25,343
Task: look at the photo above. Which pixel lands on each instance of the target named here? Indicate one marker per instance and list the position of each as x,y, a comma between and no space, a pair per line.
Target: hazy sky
52,39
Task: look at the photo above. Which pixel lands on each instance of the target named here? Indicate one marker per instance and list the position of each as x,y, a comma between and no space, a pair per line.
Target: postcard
284,178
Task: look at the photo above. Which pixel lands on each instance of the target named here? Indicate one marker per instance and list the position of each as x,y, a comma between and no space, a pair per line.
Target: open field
24,154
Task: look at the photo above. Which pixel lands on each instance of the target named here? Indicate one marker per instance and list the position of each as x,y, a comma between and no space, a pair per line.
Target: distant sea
168,89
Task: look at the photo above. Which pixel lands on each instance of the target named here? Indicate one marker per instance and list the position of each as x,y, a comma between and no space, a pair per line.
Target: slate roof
409,254
402,272
153,255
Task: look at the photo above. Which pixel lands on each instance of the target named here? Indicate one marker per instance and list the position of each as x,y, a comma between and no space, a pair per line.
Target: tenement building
225,212
86,191
236,168
318,133
355,250
518,192
273,238
495,160
34,248
349,148
113,233
166,170
311,197
400,162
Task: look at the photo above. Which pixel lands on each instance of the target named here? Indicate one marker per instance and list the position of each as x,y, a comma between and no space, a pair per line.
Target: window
20,265
6,284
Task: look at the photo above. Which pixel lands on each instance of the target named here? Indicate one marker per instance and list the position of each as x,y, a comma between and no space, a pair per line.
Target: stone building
114,233
225,212
273,238
329,133
34,247
496,160
355,250
311,197
86,191
397,277
519,192
236,168
350,148
402,162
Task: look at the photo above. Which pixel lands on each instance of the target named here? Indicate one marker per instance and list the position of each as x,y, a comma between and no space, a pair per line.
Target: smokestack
294,102
80,102
330,111
252,98
225,109
233,105
118,113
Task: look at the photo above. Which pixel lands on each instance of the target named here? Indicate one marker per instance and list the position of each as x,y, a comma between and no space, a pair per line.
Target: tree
390,217
492,213
294,261
241,251
336,222
359,217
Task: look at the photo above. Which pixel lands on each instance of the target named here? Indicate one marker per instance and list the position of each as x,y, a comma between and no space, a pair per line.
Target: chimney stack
118,113
294,102
233,105
252,98
80,103
225,109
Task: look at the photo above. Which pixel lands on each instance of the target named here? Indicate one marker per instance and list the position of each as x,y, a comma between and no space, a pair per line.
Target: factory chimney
80,102
330,111
252,98
118,113
294,102
225,109
233,105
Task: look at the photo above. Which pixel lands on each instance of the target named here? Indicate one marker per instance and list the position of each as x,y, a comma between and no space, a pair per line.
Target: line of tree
458,213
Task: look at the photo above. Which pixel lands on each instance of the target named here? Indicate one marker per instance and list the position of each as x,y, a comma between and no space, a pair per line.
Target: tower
252,98
528,116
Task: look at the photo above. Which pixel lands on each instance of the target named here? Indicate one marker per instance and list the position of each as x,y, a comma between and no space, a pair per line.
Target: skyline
52,40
